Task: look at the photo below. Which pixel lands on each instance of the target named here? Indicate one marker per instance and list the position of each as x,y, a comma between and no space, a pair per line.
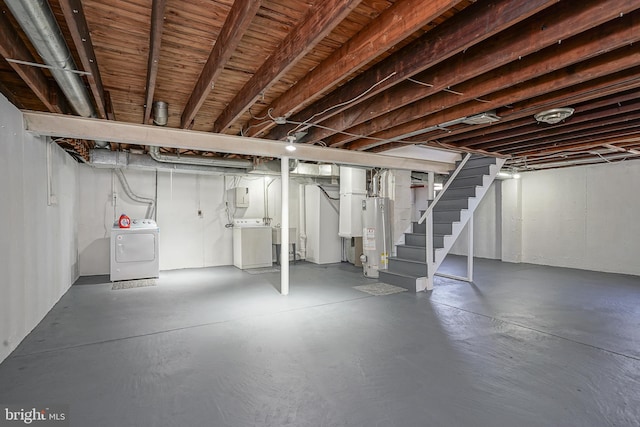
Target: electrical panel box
241,195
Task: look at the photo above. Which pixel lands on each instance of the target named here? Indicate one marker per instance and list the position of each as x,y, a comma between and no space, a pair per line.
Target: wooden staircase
449,214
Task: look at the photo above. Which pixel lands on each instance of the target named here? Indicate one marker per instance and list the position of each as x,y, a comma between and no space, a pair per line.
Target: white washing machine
134,251
251,244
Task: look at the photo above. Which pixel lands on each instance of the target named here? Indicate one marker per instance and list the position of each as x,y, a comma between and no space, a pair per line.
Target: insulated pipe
39,24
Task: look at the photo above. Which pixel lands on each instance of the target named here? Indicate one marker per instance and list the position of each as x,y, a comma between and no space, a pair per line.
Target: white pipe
284,253
302,222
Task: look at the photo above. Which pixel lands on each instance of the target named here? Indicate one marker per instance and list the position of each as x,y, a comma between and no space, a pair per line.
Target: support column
284,254
470,251
431,187
511,220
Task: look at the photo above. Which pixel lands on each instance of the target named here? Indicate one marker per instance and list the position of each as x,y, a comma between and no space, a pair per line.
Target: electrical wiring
243,130
342,104
448,89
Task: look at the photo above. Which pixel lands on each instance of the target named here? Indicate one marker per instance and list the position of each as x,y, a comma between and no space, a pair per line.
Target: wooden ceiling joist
392,26
12,47
155,41
587,111
77,24
236,24
539,51
8,93
533,131
603,65
614,130
323,17
597,90
479,22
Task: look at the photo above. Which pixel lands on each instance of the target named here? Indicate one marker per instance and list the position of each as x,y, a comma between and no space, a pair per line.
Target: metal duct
160,113
38,22
155,154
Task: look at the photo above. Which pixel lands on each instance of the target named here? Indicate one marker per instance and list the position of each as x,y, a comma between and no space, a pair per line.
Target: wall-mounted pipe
40,25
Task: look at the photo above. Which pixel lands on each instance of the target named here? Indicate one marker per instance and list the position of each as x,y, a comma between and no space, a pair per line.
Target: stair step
407,266
479,161
474,170
446,215
415,253
462,203
419,228
466,181
439,227
457,193
443,228
398,279
438,241
415,239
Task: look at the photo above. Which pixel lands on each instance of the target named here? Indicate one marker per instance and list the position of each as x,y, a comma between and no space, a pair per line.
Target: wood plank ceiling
367,75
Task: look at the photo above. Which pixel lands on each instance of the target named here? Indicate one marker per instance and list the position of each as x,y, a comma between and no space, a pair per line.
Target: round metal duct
160,113
554,115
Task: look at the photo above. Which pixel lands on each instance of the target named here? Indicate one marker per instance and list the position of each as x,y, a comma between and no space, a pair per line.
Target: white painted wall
487,227
38,248
583,217
191,214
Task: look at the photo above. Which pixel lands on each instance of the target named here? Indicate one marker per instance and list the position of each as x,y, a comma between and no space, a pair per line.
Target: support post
431,187
470,251
284,255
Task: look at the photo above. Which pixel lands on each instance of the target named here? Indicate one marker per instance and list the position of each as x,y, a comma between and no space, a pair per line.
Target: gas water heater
376,234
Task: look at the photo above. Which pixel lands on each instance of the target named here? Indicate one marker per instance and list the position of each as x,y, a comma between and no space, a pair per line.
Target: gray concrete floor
524,345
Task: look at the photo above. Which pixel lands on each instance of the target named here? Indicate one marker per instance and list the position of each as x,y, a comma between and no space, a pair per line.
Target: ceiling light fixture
290,147
554,115
482,118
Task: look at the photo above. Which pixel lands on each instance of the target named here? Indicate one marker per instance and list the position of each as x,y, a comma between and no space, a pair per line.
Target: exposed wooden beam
12,47
476,23
48,124
77,23
602,65
155,40
597,90
10,95
535,130
584,143
323,17
525,41
512,125
238,20
624,129
392,26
